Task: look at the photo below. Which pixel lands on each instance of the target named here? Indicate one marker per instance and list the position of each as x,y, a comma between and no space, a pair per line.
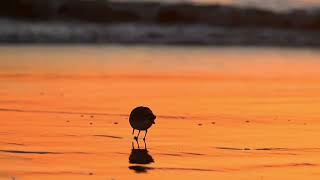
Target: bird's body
141,118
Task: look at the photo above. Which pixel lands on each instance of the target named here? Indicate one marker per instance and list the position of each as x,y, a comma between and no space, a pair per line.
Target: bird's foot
135,138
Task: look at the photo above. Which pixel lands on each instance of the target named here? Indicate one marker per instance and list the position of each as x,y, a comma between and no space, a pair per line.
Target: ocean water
270,4
131,33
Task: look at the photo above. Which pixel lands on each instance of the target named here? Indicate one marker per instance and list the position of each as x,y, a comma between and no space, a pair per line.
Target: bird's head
152,118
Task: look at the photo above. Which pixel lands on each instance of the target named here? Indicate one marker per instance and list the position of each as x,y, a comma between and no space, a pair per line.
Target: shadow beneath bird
140,156
140,169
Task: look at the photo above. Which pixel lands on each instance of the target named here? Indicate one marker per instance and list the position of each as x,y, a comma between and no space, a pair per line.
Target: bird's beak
154,119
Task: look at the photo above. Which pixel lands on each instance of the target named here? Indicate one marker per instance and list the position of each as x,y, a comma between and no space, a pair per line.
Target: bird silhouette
141,118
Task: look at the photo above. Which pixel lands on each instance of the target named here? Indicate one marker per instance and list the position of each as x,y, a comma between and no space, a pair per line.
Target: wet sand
223,113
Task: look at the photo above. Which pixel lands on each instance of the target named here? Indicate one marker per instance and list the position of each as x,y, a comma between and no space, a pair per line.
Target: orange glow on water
226,113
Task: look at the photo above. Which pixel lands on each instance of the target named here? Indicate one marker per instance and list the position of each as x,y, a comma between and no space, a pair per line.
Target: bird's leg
138,145
145,145
134,137
144,138
138,135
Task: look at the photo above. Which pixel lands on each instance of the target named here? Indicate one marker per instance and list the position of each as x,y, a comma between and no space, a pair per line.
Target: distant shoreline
107,22
21,32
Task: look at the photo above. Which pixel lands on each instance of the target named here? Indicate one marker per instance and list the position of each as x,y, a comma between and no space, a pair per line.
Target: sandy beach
222,113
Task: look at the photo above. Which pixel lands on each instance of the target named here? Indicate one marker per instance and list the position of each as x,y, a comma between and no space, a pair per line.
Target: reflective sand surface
224,113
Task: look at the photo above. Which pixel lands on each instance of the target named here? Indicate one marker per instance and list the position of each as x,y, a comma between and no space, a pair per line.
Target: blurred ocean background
199,22
265,4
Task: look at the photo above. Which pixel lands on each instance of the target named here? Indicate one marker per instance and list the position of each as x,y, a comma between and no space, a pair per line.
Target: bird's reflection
140,157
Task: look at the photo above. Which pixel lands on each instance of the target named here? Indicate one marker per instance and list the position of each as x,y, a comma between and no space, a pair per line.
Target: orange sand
223,113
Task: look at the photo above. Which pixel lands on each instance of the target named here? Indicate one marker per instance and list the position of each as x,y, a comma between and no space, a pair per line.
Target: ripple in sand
248,149
28,152
289,165
170,154
38,152
191,153
10,143
108,136
144,169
